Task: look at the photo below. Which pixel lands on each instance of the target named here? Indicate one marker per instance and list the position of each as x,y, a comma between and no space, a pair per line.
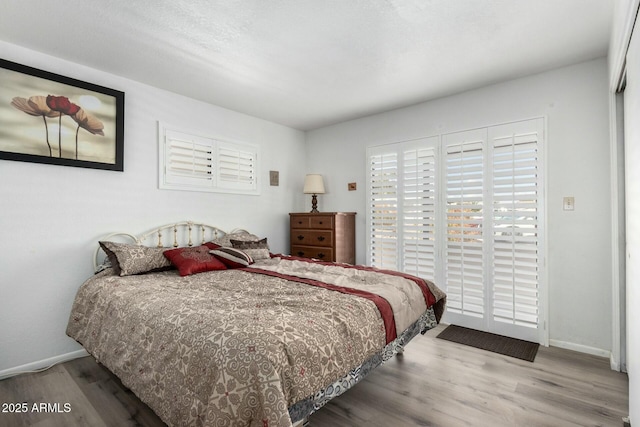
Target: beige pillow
127,259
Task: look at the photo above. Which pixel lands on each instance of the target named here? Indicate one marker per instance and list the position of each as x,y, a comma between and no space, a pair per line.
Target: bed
265,340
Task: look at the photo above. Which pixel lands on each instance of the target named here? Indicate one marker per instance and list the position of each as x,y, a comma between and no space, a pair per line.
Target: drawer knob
321,238
300,253
300,237
320,255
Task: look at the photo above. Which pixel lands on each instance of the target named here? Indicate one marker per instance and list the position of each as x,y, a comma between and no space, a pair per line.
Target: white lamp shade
313,184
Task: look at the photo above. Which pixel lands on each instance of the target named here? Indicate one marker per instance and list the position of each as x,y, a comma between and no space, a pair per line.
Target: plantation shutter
188,160
383,209
419,207
236,167
466,210
197,163
464,247
516,187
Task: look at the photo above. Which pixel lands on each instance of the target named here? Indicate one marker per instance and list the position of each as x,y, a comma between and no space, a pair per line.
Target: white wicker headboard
178,234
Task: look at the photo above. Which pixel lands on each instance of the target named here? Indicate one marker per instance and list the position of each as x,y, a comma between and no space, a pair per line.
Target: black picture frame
54,119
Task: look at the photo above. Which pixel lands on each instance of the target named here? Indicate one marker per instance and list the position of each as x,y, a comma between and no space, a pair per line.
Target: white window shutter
188,161
383,209
197,163
516,210
464,210
236,167
419,207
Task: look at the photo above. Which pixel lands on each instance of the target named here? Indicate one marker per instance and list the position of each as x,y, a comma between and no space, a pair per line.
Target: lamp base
314,203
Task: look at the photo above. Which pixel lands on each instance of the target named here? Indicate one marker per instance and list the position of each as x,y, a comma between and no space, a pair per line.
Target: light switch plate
274,178
568,203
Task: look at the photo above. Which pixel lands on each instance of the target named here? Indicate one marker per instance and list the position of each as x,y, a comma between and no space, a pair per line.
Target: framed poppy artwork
49,118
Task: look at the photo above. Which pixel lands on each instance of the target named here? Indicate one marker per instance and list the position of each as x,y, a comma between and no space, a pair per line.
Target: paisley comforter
240,347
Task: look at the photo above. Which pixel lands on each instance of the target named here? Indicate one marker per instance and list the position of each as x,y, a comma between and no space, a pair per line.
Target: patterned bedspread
225,348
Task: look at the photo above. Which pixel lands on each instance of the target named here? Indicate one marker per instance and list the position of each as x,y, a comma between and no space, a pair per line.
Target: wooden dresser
329,236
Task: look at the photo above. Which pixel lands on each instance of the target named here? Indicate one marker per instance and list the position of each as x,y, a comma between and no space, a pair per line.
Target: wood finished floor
435,383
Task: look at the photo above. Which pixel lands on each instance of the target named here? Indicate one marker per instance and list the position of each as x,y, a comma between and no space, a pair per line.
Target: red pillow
193,260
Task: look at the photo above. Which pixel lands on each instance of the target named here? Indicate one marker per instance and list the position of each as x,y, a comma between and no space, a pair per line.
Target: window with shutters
236,166
197,163
383,209
516,223
465,209
402,206
419,197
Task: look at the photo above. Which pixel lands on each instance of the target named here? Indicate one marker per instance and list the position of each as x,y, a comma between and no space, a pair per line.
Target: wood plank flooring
435,383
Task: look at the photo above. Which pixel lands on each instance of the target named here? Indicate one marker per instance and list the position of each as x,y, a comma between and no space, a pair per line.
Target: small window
197,163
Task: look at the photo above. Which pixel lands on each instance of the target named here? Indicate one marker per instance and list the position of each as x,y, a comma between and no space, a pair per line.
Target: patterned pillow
256,249
193,260
224,241
232,258
127,259
106,263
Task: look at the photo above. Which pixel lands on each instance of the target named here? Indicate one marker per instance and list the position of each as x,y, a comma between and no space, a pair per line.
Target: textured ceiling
310,63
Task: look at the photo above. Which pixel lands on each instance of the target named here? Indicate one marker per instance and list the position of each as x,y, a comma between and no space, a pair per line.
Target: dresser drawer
300,221
321,221
325,254
312,237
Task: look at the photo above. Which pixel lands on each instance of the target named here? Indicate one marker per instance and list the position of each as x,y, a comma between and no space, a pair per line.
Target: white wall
575,101
51,216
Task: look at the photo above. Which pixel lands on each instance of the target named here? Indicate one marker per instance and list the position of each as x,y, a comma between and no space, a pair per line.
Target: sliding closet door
632,201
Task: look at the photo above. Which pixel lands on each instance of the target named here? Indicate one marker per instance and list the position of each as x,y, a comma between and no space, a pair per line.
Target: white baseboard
581,348
42,364
615,365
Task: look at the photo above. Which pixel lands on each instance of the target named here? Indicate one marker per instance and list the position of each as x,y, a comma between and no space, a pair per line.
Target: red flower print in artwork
62,104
